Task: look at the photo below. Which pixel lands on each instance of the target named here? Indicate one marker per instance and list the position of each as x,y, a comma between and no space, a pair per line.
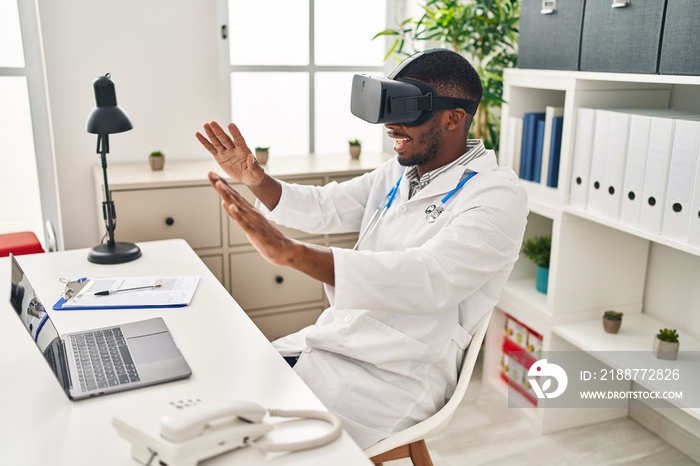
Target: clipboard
171,291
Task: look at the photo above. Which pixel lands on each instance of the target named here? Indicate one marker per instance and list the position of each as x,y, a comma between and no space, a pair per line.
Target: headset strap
427,103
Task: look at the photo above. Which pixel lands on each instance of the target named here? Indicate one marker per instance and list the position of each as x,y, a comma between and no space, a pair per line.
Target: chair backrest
442,418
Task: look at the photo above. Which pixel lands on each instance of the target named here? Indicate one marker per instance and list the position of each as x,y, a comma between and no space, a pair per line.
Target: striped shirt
475,149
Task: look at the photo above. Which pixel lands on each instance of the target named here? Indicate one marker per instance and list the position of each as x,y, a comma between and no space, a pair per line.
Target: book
555,152
550,113
527,148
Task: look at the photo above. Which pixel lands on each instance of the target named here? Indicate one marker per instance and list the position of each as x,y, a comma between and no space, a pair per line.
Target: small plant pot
666,349
355,151
156,162
611,326
262,156
541,279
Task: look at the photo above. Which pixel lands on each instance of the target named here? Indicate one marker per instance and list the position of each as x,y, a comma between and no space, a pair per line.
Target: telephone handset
184,432
189,423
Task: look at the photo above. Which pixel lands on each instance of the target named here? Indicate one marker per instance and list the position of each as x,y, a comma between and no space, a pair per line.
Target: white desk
228,355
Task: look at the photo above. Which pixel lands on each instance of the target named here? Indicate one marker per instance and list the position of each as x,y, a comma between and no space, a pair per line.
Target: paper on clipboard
173,291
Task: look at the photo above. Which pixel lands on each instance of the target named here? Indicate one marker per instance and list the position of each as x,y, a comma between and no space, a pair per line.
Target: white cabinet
179,202
596,263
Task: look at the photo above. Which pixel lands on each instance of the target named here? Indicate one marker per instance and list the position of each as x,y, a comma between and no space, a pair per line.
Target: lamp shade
107,117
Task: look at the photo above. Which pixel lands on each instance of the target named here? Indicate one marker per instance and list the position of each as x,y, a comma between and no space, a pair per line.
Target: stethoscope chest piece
432,213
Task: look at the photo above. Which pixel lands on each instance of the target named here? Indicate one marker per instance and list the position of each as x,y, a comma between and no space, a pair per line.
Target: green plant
157,153
262,148
484,31
667,334
354,142
537,249
612,315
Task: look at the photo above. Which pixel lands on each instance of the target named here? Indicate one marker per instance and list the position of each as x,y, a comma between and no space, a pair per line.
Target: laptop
99,361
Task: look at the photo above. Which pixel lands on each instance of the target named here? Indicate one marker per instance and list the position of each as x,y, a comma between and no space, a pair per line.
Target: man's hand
315,261
263,235
232,154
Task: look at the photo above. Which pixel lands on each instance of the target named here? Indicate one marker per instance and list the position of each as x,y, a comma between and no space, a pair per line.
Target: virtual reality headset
400,100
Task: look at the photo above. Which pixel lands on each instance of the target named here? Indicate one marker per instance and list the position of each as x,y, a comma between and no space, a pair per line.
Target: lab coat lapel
442,184
449,180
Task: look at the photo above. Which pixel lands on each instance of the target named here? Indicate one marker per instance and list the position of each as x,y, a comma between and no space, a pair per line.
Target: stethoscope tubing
431,212
374,220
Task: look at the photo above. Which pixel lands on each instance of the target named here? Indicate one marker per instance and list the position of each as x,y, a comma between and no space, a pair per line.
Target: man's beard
430,139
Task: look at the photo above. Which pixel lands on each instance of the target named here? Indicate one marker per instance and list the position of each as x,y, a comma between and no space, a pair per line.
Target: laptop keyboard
103,359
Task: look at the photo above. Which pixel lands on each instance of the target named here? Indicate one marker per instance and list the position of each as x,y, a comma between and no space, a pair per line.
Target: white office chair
410,443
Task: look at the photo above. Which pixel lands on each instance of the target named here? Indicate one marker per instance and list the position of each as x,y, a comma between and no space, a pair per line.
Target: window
290,72
27,174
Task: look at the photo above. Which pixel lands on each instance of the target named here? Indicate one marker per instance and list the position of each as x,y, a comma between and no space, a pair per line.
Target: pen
107,292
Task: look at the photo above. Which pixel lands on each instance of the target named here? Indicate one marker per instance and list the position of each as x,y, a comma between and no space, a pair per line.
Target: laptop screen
31,312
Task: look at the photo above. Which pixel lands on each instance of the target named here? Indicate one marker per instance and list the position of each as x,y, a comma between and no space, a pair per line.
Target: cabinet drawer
215,263
191,213
279,324
256,284
236,235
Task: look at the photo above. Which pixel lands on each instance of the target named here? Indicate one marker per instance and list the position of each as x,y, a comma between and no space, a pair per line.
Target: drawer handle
620,3
169,221
279,279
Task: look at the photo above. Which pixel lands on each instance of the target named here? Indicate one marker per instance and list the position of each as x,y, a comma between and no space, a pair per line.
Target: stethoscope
432,212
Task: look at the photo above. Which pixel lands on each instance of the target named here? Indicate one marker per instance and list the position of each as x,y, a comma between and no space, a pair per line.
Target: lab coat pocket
367,339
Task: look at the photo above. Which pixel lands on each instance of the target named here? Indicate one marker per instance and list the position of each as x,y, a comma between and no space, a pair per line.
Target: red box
24,242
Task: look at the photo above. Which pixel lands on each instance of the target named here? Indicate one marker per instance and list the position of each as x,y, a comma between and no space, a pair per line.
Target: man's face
417,145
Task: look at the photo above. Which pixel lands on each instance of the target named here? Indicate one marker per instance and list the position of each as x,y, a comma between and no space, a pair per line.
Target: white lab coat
386,353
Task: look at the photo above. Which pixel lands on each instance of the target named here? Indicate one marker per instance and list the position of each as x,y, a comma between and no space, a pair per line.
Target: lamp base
120,253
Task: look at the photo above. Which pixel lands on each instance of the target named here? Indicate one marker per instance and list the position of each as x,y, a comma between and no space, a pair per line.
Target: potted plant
156,160
612,321
666,344
262,154
485,31
355,148
537,249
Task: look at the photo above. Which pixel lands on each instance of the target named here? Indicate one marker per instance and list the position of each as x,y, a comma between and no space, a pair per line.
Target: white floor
485,431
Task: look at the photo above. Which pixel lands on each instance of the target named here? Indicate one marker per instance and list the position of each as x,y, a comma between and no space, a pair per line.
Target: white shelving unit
596,264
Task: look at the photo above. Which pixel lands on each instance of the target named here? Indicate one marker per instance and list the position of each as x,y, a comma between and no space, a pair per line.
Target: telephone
184,432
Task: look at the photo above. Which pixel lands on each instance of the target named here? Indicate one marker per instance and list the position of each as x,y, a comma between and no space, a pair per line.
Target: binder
656,174
681,176
616,152
555,152
694,219
596,191
527,149
549,114
583,145
635,163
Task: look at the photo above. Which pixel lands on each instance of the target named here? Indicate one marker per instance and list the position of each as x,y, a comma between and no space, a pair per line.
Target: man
440,227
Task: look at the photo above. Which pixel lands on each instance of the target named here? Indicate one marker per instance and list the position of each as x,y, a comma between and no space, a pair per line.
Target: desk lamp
108,118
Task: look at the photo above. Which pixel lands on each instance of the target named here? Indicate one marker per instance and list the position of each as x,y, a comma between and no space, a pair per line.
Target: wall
163,58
